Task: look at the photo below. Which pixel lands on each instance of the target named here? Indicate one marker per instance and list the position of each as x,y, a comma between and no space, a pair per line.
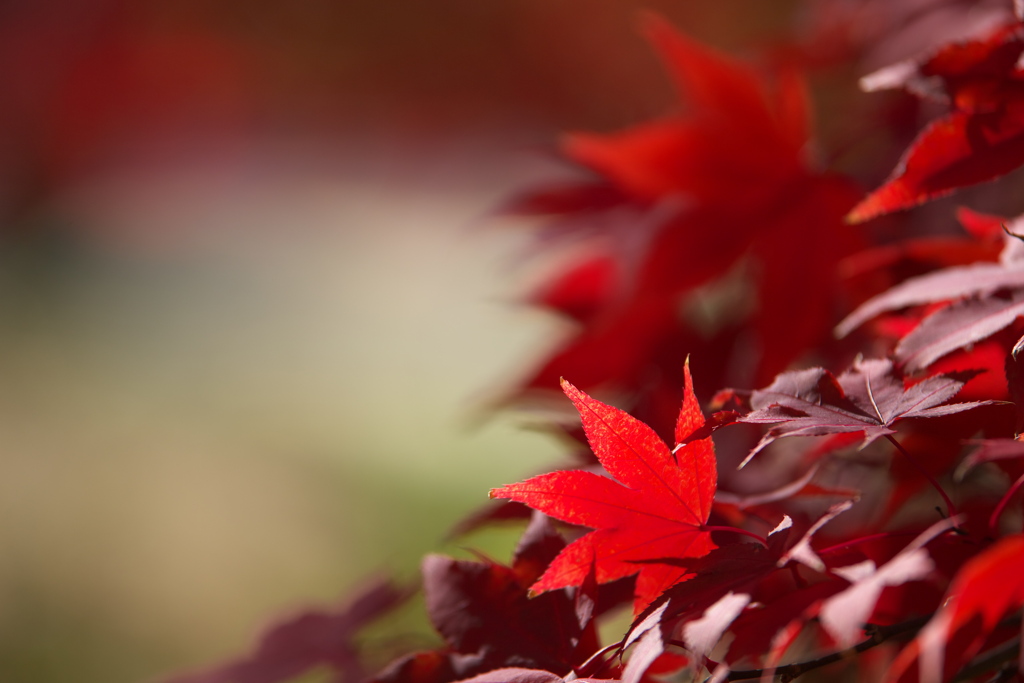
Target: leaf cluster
887,539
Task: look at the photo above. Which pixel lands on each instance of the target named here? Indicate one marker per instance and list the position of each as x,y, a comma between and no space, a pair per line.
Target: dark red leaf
515,675
960,324
307,641
978,280
648,644
987,588
868,398
987,297
483,607
843,615
802,551
702,635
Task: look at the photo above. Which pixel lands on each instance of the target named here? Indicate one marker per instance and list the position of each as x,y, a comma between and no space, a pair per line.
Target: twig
1001,656
994,519
950,508
879,634
736,530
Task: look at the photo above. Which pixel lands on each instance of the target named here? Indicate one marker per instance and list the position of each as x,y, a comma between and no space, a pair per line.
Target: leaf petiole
737,530
950,508
994,519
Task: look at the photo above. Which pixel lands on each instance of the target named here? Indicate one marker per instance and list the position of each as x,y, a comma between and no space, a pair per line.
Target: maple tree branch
950,508
878,635
998,658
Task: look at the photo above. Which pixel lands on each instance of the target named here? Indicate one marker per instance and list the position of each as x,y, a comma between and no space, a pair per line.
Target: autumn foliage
841,484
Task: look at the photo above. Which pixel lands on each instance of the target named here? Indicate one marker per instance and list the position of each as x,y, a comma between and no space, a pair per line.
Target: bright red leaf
656,506
664,208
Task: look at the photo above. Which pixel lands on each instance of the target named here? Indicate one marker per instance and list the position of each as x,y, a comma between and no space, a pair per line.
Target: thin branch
879,634
950,508
865,539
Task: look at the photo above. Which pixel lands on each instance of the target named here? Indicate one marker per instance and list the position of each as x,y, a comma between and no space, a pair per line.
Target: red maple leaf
656,507
664,211
980,139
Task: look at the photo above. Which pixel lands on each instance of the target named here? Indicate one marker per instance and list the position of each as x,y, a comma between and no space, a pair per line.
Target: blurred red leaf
487,620
843,615
665,206
308,640
987,588
981,139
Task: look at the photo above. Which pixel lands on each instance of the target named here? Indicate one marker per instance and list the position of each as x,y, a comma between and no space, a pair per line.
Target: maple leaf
482,611
986,297
982,137
308,640
663,207
844,614
987,588
869,397
656,506
723,583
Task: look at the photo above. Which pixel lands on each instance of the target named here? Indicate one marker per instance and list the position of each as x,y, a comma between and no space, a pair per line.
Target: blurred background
253,296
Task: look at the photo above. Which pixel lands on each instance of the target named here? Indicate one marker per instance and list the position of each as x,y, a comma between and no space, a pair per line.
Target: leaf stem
994,519
950,508
864,539
737,530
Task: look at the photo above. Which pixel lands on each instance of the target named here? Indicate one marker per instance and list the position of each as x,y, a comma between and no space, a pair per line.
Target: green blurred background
253,300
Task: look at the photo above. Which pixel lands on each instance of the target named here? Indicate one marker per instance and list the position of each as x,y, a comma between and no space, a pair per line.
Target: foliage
822,548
